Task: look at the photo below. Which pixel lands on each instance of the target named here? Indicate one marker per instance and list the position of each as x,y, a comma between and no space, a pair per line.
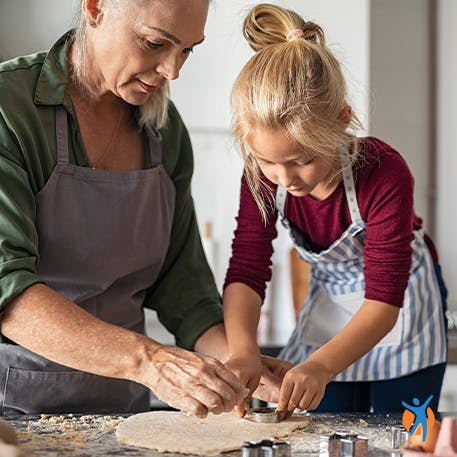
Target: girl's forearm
241,317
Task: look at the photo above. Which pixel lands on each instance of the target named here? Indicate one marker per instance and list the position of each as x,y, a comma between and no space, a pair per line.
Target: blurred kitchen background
399,60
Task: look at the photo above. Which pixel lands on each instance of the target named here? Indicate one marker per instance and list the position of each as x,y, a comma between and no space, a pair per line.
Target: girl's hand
273,371
248,370
303,387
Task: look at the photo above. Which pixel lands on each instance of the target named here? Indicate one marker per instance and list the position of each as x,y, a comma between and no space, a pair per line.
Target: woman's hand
248,370
273,372
303,387
192,382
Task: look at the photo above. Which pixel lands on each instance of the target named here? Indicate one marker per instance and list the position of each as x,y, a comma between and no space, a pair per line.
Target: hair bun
313,32
267,24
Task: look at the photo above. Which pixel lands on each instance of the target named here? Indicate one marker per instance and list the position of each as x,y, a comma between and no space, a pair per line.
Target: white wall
203,91
447,156
400,75
28,26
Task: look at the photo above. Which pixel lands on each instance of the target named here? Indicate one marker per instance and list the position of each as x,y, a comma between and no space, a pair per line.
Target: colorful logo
418,418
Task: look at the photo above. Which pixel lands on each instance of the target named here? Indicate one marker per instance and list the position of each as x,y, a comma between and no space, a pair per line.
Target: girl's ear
345,115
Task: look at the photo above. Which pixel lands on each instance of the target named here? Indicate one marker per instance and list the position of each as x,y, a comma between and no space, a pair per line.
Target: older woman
97,222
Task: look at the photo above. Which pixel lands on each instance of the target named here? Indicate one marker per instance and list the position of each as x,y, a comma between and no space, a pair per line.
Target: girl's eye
303,163
188,50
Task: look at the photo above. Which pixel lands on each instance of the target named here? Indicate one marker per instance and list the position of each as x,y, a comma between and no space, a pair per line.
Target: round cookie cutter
264,415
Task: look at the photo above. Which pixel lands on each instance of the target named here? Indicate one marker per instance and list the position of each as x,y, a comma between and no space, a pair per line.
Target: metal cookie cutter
343,445
399,437
264,415
266,448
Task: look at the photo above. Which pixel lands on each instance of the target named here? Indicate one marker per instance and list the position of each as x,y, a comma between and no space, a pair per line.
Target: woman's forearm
241,317
367,327
48,324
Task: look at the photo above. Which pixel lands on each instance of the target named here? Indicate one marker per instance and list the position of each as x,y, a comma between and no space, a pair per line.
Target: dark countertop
93,435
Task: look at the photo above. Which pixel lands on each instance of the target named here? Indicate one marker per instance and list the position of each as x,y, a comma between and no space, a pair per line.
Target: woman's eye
188,50
152,45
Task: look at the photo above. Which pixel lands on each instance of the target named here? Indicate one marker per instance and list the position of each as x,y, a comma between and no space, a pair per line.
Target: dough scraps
175,432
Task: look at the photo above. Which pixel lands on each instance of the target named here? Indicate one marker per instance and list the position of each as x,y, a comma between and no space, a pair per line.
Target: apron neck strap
155,149
280,200
61,134
349,187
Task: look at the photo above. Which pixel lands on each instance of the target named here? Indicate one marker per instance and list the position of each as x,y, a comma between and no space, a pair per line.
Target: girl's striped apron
336,292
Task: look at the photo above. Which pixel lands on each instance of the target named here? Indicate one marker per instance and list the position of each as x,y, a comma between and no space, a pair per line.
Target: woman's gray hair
153,113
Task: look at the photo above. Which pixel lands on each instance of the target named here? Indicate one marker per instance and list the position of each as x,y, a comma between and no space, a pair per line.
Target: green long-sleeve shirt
184,295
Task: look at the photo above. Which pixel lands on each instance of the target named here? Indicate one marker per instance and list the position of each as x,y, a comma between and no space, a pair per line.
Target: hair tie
292,33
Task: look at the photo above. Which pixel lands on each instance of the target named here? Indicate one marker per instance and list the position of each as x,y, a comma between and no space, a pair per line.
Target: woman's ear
93,11
345,115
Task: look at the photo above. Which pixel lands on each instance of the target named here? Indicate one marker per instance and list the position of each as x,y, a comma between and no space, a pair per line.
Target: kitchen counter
94,435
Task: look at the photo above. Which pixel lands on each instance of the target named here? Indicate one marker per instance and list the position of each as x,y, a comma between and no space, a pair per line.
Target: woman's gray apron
337,290
103,237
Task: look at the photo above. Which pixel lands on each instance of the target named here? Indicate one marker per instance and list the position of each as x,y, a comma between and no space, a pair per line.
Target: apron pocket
326,317
353,301
330,314
58,392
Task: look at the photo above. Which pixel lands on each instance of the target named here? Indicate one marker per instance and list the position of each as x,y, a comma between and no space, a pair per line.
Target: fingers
303,394
248,370
195,383
218,389
183,402
216,395
230,378
284,395
243,405
270,379
192,406
240,410
264,393
251,386
276,367
197,401
210,399
314,402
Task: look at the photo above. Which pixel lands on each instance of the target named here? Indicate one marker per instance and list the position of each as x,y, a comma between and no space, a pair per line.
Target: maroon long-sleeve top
384,187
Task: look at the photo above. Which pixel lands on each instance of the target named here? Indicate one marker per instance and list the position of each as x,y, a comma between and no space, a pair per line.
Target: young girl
371,332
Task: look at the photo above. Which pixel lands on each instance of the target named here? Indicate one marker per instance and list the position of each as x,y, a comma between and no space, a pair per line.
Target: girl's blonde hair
154,112
292,83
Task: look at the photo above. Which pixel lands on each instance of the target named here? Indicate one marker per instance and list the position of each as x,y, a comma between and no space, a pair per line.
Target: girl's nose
285,177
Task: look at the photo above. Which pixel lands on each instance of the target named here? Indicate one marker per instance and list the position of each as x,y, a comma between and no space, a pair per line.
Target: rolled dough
175,432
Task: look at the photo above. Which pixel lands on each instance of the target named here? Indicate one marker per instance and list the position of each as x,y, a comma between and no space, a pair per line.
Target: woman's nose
170,66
